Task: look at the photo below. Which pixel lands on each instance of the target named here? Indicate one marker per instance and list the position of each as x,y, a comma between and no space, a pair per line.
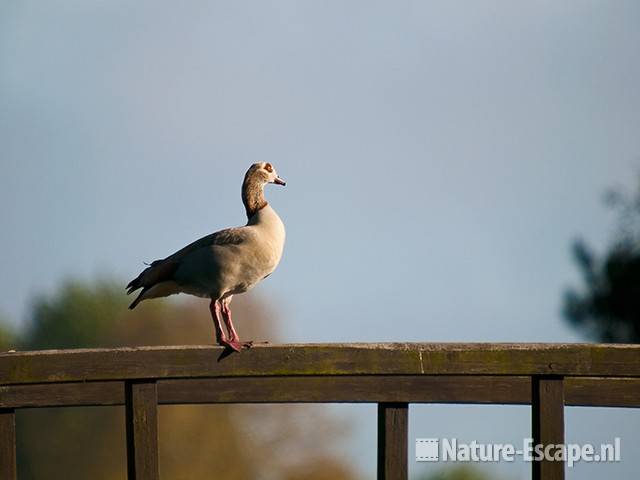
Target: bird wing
163,270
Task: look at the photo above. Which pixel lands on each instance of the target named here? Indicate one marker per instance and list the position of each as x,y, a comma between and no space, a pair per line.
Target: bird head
264,172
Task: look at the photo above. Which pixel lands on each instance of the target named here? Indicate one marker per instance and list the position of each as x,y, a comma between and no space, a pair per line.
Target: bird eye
268,168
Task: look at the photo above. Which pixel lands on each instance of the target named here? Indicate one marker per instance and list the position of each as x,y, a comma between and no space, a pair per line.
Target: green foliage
607,307
465,472
78,315
7,336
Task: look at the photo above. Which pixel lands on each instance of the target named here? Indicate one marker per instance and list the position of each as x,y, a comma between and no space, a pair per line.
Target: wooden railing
547,376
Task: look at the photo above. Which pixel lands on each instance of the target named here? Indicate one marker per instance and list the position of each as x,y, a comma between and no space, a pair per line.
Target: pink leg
216,313
234,340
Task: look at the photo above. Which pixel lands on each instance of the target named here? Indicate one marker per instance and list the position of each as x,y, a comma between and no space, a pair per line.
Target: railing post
141,411
547,414
8,468
393,433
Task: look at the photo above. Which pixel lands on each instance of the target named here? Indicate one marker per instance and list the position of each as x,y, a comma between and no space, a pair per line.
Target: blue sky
440,159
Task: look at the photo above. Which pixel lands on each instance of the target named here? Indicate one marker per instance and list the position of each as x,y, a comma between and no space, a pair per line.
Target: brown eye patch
268,168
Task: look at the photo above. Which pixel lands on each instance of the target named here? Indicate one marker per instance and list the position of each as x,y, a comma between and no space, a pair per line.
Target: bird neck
253,196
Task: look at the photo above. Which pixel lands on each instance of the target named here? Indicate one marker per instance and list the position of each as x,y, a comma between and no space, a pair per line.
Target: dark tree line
607,306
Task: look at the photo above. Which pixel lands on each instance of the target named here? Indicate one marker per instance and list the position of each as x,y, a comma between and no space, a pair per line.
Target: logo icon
427,449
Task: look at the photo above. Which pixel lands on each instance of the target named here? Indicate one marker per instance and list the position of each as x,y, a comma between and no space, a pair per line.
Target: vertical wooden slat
8,468
141,408
547,413
393,433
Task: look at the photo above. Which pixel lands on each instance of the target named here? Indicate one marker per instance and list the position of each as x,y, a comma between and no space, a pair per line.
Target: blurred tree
197,441
465,472
7,335
607,308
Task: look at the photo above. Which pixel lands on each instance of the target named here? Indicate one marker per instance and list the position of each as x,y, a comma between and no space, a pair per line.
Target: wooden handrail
393,375
592,360
578,391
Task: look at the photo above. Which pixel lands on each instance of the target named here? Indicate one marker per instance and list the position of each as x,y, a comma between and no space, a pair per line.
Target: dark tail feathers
142,281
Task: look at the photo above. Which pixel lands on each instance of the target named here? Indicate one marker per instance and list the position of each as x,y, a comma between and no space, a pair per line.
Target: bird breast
269,237
256,257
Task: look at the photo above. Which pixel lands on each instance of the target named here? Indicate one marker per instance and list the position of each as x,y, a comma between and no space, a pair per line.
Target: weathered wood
393,448
79,394
547,414
337,359
8,469
392,375
142,430
602,392
348,389
482,389
313,389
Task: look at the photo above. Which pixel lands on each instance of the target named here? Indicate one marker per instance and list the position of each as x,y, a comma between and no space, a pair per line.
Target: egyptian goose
224,263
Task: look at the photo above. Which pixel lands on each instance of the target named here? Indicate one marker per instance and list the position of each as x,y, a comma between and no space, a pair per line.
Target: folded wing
157,280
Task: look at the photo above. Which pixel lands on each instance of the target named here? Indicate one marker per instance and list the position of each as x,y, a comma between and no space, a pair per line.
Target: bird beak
279,181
